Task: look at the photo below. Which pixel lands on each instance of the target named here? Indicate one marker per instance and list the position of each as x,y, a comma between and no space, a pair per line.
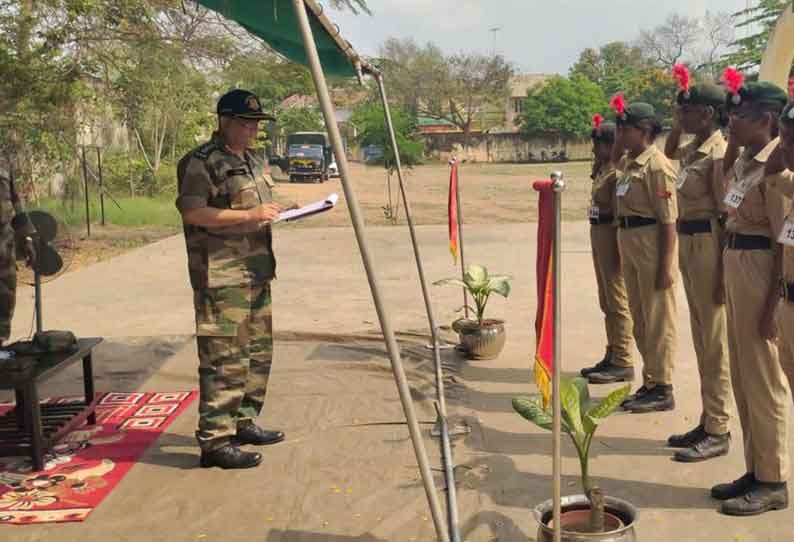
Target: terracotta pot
481,341
620,518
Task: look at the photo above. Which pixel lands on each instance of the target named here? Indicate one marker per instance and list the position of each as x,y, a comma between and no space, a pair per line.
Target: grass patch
140,211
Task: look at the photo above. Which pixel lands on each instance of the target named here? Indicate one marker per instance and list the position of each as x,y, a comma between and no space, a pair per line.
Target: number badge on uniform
787,234
622,187
681,179
734,197
593,212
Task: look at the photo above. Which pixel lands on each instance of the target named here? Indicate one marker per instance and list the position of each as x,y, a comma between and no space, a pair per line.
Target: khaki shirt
212,176
700,191
764,205
786,185
603,192
648,186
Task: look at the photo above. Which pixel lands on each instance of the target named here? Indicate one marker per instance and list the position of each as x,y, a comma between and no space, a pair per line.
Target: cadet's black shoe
688,439
230,457
598,366
706,448
657,399
731,490
762,497
611,373
642,390
249,433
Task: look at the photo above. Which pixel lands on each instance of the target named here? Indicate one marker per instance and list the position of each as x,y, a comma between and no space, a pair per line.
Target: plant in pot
480,338
592,516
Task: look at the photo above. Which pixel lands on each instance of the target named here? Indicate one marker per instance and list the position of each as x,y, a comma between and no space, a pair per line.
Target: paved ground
347,473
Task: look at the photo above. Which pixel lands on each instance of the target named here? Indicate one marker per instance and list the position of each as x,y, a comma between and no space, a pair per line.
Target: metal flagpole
358,225
460,242
452,507
559,187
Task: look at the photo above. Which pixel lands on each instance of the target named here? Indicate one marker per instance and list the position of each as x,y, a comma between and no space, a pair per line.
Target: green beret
636,112
605,133
761,93
702,94
788,114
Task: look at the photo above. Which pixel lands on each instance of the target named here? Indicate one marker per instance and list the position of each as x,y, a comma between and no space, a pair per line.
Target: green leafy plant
581,416
480,285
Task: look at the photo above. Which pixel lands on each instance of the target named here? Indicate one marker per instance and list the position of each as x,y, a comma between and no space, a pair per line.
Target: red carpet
89,462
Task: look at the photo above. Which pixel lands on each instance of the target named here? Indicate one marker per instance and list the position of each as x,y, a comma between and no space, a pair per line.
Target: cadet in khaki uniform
617,365
226,205
15,227
757,206
701,190
646,215
786,239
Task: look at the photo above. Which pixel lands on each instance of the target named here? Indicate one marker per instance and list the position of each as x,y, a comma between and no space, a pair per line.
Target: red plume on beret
733,80
681,74
597,121
618,104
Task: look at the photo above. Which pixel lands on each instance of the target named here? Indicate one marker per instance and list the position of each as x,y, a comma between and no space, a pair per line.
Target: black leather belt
738,241
602,219
635,221
691,227
787,291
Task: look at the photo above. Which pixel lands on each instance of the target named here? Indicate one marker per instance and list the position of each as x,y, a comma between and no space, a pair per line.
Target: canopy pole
449,470
358,225
559,187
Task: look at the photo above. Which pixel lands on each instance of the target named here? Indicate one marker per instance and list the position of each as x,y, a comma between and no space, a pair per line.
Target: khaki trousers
612,296
758,380
785,343
653,311
698,258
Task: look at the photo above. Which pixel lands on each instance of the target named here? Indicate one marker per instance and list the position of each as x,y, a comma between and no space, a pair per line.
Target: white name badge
734,198
681,180
622,188
593,213
787,235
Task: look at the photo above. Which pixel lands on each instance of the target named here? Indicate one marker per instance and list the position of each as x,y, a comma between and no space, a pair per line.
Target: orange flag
544,319
452,207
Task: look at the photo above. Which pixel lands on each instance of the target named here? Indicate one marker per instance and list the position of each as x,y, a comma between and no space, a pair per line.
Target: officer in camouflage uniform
14,224
225,198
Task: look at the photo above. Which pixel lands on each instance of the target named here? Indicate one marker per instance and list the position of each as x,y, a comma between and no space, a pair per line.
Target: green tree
655,86
372,130
267,76
749,50
299,119
610,65
562,107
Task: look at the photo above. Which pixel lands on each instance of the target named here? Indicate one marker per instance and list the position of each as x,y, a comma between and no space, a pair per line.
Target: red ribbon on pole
544,319
452,209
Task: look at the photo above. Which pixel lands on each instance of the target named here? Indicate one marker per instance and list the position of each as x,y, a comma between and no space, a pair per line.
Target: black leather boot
708,447
250,433
598,366
734,489
658,398
610,374
687,439
230,457
762,497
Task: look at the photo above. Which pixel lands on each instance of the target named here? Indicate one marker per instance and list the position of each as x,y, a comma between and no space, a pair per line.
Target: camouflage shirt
11,212
212,176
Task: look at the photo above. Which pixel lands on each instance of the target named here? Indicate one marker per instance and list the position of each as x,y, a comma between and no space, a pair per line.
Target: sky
537,36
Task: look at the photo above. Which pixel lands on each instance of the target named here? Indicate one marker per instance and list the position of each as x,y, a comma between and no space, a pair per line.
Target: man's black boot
762,497
230,457
598,366
708,447
610,374
658,399
690,438
734,489
250,433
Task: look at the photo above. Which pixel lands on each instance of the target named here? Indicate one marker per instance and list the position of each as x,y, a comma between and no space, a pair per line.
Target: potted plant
481,338
591,516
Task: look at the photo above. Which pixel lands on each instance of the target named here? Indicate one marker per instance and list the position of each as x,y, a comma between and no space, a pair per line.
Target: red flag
544,319
452,207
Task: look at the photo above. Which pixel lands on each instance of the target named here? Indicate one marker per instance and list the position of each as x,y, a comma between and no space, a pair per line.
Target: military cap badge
252,103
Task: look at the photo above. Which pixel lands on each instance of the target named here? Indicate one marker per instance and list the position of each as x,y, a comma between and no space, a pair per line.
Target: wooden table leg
88,384
36,437
19,408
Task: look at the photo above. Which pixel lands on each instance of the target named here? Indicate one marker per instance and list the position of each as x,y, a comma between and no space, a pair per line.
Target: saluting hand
664,280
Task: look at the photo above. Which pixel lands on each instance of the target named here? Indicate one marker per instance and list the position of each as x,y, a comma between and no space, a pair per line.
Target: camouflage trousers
234,332
8,280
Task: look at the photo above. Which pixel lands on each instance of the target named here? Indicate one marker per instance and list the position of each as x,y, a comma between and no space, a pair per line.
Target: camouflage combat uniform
230,271
13,223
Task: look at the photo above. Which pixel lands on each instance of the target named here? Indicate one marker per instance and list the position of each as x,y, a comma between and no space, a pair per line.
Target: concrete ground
347,471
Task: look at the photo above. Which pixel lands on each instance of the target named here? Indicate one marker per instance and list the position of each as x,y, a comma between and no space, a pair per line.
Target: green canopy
274,22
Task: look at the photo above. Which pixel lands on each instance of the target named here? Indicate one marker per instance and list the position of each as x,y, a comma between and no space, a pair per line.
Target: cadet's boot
250,433
690,438
598,366
762,497
658,399
230,457
611,373
706,448
641,391
731,490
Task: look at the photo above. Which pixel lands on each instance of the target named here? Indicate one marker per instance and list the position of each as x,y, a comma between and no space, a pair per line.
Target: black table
32,428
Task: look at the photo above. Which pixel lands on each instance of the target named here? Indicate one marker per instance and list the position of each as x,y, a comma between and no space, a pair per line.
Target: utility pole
493,31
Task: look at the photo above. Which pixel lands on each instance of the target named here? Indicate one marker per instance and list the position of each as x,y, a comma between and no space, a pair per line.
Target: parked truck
308,156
